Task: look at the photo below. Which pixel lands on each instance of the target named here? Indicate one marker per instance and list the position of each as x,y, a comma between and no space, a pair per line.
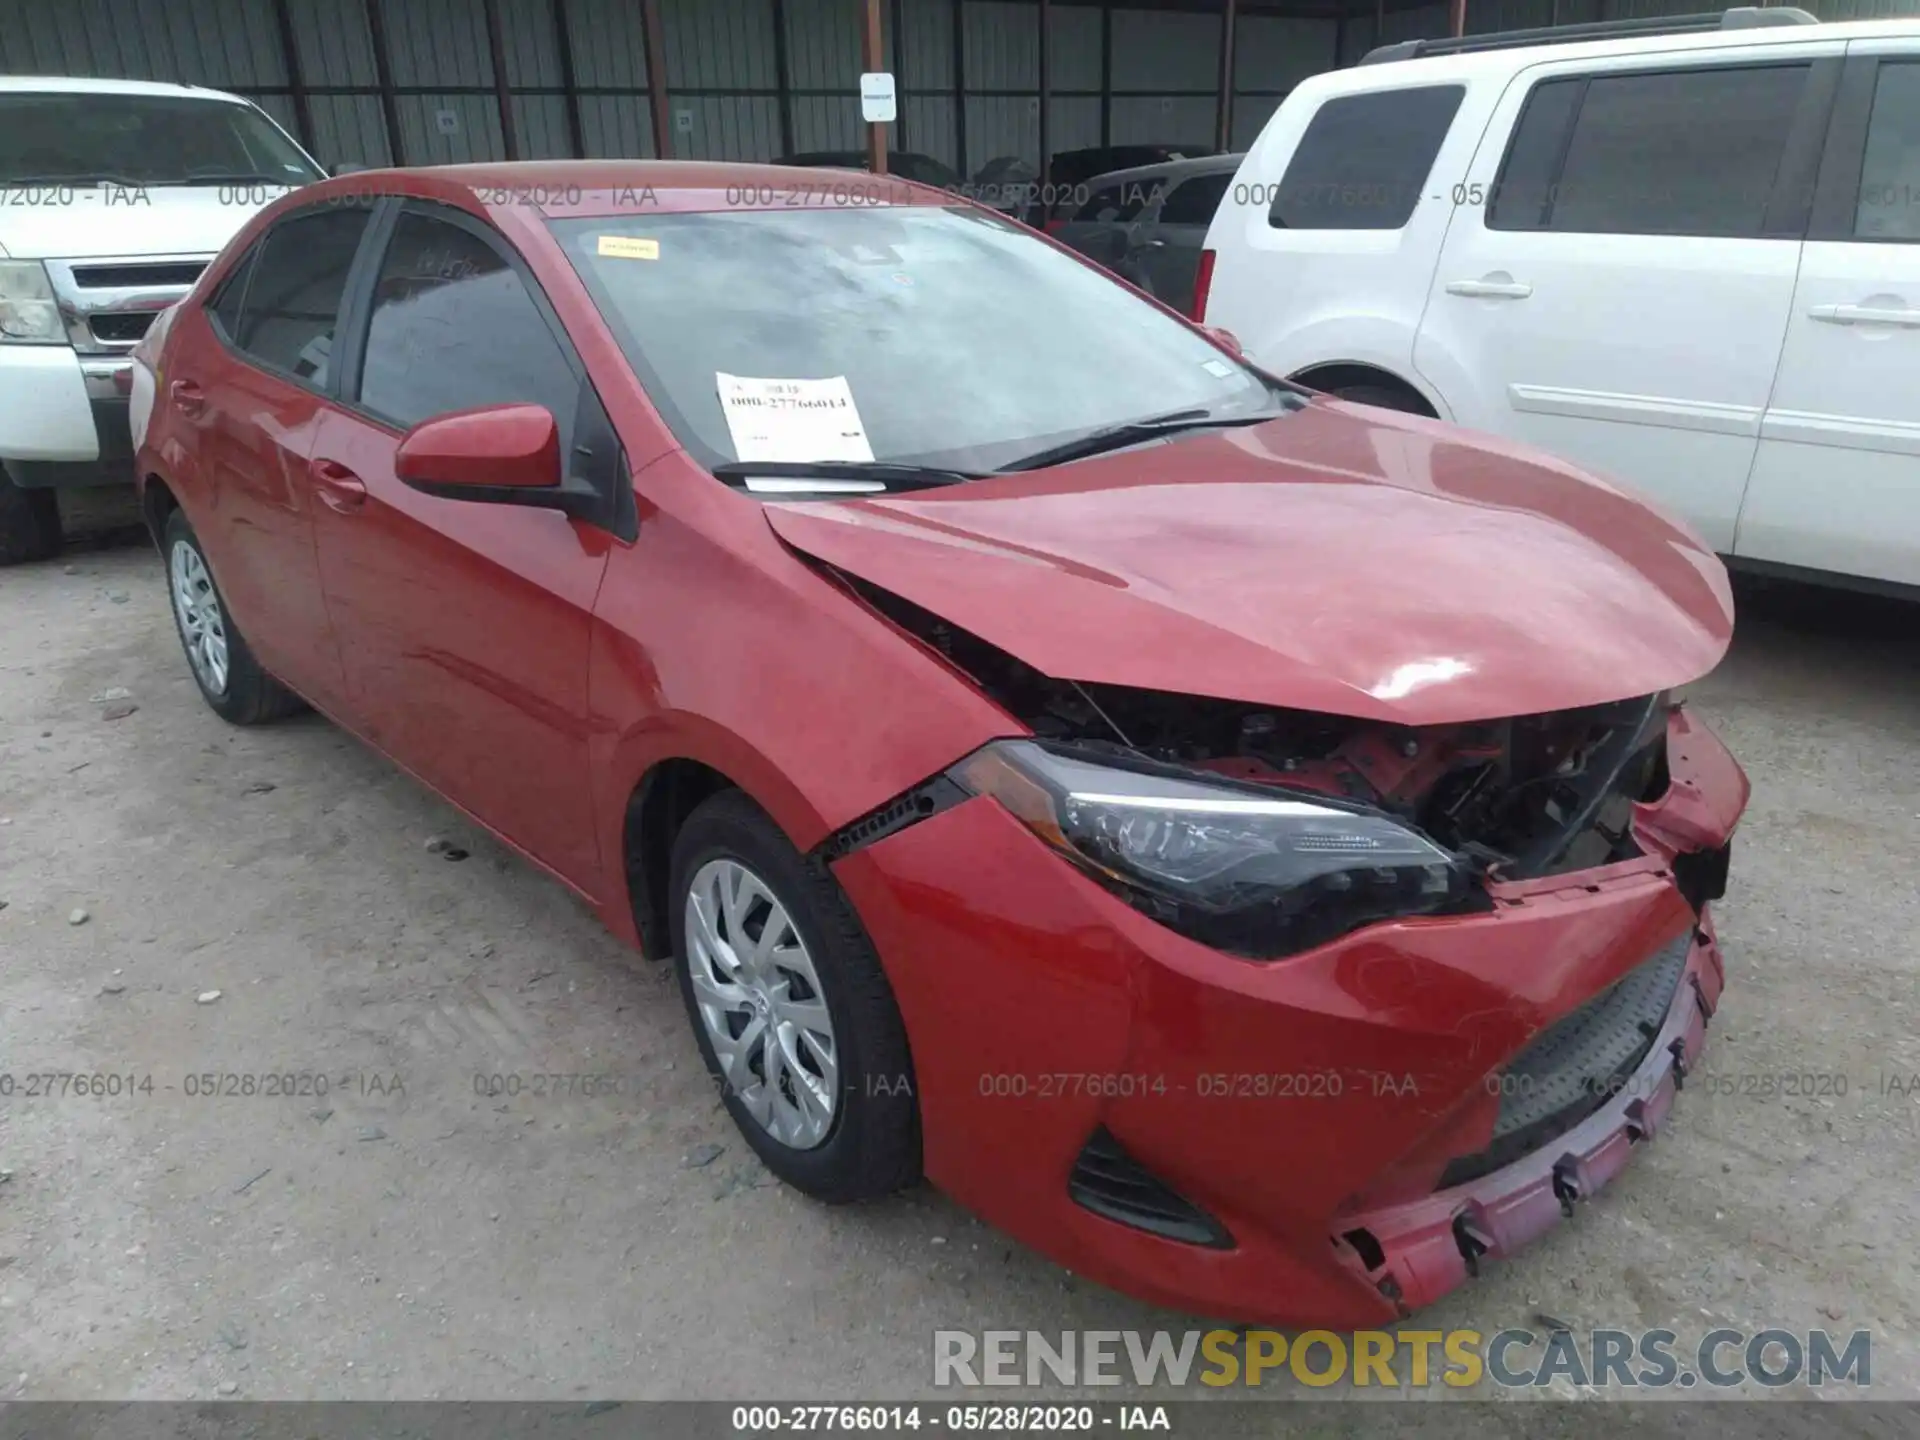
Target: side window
225,308
1118,204
1365,159
453,326
1192,202
1889,205
293,300
1689,152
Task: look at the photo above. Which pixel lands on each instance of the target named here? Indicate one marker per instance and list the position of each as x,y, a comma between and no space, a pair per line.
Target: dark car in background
1070,172
1149,225
907,164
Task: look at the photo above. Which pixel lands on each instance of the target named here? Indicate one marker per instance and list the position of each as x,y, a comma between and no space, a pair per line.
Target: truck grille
108,304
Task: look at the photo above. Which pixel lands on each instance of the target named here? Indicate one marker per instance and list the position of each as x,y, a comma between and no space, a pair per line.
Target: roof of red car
603,187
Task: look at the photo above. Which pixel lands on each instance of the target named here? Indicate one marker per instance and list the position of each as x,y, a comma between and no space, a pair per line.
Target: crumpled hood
1339,560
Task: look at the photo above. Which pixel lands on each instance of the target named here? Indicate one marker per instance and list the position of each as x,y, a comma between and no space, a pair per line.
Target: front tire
29,523
231,681
790,1008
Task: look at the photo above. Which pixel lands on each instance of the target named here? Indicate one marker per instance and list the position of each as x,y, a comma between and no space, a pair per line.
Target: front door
465,627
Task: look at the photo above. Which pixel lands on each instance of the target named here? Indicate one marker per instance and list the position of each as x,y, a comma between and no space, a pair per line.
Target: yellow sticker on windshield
629,247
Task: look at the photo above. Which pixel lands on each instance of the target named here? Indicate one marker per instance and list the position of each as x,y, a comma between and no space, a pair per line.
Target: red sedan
1240,843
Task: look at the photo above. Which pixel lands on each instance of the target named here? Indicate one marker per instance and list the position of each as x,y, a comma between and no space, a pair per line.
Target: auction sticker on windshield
792,420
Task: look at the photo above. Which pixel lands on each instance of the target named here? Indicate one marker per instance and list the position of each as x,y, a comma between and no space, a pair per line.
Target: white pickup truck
114,195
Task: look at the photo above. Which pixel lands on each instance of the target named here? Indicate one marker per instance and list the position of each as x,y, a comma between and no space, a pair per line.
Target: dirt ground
406,1236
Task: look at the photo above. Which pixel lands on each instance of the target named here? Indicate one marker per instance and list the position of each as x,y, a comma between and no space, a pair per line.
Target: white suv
114,195
1684,253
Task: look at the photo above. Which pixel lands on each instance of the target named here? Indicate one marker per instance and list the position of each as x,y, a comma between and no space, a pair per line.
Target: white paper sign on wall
447,122
877,103
683,121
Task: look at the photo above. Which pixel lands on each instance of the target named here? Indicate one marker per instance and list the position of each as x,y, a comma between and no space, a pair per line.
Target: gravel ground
266,900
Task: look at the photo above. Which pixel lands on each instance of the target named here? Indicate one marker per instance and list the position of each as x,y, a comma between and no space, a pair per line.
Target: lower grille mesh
1576,1064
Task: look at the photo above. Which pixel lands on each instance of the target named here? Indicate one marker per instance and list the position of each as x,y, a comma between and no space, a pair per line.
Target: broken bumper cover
1266,1141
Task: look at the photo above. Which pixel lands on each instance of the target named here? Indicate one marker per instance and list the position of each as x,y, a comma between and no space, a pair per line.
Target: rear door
255,400
1167,245
1616,280
1836,483
465,626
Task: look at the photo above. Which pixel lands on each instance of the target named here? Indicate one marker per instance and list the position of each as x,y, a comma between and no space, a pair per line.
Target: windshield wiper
234,177
836,477
1133,432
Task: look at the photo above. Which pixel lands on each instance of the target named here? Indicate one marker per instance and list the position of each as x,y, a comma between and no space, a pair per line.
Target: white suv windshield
961,339
87,138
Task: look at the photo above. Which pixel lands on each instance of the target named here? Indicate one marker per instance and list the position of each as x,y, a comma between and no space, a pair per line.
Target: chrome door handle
1490,289
1864,315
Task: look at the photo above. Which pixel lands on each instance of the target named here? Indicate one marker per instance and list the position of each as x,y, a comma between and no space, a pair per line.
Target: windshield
78,138
911,335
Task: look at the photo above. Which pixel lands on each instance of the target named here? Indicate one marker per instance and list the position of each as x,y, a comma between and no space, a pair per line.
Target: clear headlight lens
28,314
1248,869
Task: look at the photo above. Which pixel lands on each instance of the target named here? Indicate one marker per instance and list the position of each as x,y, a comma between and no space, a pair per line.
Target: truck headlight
1250,869
29,314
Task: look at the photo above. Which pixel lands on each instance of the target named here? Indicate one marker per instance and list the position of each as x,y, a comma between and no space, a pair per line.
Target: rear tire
29,523
1385,397
756,973
231,681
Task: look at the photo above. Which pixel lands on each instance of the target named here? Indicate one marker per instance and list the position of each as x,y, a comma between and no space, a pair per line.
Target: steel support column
1224,126
871,59
654,36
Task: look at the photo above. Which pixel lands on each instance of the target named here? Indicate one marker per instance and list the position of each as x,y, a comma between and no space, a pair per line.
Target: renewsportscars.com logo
1462,1359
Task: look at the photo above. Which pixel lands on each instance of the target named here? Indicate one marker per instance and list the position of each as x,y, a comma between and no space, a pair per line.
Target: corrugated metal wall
746,79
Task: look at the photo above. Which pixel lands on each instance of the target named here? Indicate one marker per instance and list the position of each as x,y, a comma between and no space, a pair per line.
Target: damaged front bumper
1285,1141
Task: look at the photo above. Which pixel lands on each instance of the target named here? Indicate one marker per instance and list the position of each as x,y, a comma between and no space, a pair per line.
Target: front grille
123,327
129,275
1577,1064
1112,1184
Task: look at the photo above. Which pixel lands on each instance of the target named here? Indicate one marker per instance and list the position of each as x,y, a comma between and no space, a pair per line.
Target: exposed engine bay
1519,797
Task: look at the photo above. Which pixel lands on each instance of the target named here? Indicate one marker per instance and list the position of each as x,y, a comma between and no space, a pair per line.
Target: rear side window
454,326
292,303
225,308
1365,159
1889,207
1687,152
1117,204
1192,202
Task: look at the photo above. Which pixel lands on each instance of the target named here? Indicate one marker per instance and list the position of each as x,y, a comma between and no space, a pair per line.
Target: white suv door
1615,282
1836,484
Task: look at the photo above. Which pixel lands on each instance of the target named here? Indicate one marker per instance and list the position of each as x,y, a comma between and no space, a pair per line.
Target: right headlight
1248,869
29,315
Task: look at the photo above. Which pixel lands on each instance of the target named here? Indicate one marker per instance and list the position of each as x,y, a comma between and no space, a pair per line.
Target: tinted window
1684,153
293,302
1117,204
1192,202
233,292
1525,184
453,326
1889,205
1364,160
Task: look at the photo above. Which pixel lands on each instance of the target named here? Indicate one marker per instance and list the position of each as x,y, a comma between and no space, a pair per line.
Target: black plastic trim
923,802
1113,1185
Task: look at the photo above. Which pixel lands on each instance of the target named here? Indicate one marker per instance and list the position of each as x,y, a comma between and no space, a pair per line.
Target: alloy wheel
761,1002
203,627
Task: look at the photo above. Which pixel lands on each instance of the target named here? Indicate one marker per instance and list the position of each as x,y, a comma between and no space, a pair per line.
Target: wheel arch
672,772
1344,374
